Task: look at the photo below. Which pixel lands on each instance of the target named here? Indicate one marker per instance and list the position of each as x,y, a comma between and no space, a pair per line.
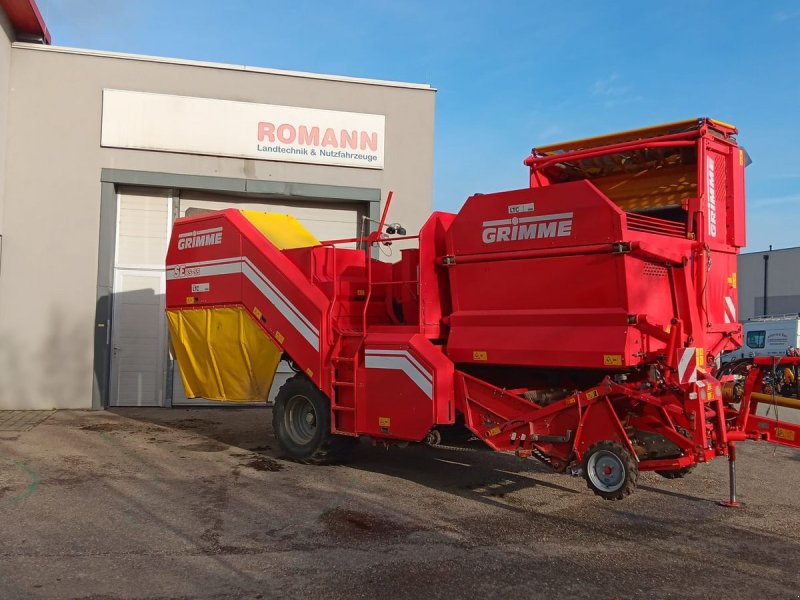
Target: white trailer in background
767,336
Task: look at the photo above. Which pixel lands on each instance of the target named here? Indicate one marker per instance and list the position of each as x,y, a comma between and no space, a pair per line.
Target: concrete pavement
198,503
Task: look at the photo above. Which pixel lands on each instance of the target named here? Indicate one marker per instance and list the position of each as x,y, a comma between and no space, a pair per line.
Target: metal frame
110,179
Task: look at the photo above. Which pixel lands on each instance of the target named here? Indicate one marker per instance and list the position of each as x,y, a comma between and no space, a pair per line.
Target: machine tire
676,473
623,472
301,421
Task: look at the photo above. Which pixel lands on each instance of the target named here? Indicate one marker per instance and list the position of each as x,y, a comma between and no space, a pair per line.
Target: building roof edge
224,66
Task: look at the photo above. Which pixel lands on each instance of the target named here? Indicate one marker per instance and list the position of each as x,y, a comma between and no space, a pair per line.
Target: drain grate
22,420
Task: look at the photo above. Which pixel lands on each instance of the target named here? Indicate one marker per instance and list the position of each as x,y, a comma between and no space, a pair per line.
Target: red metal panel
26,18
220,258
434,286
551,307
407,387
566,215
735,207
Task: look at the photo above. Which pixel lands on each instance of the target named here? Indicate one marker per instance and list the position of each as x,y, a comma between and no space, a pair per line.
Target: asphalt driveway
198,503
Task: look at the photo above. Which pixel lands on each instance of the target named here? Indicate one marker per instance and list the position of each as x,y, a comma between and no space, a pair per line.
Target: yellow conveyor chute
284,231
223,353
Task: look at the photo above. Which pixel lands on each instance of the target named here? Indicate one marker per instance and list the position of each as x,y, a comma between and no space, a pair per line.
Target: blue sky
512,75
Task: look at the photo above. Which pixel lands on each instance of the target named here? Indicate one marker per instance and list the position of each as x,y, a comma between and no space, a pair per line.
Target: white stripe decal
400,363
406,354
206,262
302,317
289,312
241,264
203,271
173,274
201,232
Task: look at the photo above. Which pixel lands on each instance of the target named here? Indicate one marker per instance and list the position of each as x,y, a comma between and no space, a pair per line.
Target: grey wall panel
783,282
777,305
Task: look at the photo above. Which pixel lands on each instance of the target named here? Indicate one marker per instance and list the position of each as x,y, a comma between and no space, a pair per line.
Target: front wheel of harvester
610,470
301,420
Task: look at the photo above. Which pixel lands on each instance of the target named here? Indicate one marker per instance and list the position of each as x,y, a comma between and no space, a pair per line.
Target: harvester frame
606,370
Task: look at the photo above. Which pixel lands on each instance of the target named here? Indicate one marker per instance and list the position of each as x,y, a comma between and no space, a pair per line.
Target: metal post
766,279
731,502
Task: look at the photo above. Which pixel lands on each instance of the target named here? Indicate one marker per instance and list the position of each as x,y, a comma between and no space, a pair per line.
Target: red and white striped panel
687,365
730,310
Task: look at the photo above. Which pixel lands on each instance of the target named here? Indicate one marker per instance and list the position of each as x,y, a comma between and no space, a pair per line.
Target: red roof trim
26,18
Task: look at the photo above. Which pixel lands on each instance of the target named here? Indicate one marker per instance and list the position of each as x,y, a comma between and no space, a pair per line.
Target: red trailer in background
577,321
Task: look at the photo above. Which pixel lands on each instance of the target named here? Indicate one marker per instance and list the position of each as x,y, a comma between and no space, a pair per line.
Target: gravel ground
198,503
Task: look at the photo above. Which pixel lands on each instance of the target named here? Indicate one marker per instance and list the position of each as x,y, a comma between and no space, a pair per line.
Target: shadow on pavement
482,476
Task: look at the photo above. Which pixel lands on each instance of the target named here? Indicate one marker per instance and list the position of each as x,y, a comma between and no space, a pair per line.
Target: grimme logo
204,237
527,228
712,198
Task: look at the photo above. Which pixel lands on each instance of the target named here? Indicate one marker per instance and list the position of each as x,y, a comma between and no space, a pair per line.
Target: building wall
783,283
49,278
6,36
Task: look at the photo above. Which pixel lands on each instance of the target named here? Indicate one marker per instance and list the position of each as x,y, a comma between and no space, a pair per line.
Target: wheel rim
606,471
300,419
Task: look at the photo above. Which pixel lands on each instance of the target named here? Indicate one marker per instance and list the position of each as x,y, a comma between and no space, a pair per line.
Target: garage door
325,220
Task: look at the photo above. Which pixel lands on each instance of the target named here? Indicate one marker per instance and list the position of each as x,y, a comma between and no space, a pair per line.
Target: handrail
368,240
335,297
368,260
685,138
335,282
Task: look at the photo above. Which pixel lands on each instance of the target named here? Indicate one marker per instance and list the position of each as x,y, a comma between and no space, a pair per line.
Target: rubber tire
324,447
627,460
676,473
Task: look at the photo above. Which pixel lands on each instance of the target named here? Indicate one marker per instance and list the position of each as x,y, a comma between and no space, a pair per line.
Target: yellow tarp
223,354
284,231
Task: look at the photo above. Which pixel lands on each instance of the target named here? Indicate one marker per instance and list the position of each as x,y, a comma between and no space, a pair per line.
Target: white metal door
138,336
138,326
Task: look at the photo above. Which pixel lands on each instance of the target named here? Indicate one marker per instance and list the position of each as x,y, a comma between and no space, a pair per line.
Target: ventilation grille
720,179
654,270
656,225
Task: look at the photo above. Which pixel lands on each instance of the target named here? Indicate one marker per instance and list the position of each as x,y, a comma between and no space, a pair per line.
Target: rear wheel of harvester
610,470
676,473
301,420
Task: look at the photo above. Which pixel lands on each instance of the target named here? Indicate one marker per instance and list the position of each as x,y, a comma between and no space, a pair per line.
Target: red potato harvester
577,321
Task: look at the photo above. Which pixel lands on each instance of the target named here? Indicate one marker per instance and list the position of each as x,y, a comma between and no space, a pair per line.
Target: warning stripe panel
687,365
